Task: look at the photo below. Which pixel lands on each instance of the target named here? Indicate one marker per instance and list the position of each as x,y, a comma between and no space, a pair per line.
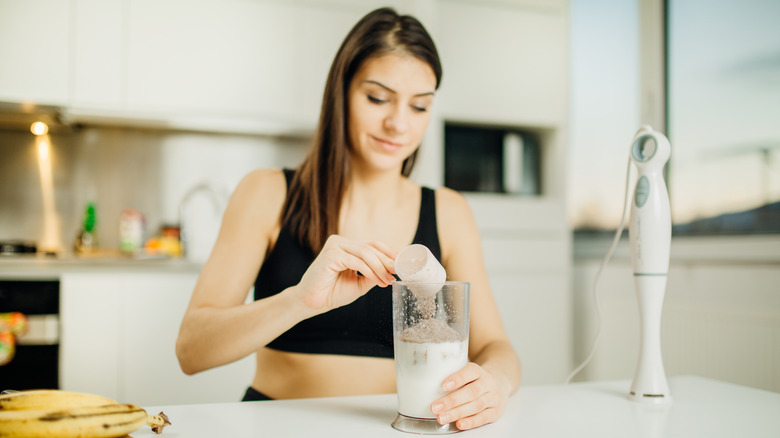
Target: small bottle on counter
86,239
132,225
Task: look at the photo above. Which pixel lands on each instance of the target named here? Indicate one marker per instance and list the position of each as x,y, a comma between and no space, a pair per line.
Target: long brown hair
312,206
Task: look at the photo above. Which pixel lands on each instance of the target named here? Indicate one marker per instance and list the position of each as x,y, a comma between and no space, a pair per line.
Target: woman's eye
373,99
419,109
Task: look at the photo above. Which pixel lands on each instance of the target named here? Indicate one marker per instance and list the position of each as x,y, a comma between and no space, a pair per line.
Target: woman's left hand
476,398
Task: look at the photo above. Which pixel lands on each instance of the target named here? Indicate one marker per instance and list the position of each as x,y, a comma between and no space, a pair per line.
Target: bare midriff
283,375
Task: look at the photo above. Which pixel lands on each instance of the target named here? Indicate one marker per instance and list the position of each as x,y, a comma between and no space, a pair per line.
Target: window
723,97
604,112
722,113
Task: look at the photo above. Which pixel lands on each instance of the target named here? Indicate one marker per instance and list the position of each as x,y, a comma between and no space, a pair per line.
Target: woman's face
389,101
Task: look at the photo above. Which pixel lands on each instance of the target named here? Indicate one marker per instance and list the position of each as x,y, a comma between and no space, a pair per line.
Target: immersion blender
650,235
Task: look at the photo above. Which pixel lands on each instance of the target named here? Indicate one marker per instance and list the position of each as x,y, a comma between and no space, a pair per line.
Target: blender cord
604,262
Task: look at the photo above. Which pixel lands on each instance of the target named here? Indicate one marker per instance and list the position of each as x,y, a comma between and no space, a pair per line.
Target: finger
467,384
355,263
463,376
376,255
388,253
473,406
343,254
383,249
462,397
487,416
373,258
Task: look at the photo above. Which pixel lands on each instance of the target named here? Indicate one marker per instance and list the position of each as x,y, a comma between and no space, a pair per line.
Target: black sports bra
361,328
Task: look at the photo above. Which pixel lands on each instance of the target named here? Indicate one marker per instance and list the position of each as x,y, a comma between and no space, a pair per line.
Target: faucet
217,200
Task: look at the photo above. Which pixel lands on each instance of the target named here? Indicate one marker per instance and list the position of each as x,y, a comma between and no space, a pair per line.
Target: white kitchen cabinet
214,57
34,51
233,58
89,333
118,339
154,306
320,30
98,59
503,64
536,311
527,255
206,64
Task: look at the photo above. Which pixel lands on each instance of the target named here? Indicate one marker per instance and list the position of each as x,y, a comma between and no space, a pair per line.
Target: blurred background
155,110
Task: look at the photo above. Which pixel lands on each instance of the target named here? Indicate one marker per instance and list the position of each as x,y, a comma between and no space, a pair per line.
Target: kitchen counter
701,408
42,266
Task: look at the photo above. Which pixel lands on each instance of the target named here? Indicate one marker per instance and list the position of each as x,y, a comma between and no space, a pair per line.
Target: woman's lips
387,144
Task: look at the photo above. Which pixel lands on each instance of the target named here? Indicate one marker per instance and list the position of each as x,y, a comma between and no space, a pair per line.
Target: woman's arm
480,390
218,328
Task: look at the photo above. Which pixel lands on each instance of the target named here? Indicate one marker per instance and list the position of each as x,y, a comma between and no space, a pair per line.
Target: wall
721,316
125,168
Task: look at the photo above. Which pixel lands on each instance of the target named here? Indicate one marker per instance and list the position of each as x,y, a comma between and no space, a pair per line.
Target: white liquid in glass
420,370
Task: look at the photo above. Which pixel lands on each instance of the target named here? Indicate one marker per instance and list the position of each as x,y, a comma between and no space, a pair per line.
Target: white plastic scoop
417,266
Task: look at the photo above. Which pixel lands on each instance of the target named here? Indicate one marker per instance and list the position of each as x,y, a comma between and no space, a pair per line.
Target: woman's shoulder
458,233
450,201
453,214
264,183
264,175
261,192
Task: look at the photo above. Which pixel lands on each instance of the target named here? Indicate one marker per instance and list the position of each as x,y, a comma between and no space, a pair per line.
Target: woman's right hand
344,271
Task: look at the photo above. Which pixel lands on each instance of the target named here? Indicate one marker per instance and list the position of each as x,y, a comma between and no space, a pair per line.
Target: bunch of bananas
54,413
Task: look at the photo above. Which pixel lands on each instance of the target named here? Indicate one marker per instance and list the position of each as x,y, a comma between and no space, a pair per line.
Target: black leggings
254,395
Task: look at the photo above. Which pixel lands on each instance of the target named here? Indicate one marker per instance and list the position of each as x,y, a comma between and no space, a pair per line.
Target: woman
325,237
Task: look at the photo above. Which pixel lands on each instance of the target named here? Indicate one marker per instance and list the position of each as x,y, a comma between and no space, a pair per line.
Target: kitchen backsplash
116,168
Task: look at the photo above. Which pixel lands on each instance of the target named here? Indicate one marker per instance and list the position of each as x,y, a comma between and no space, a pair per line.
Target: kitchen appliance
36,362
650,235
430,341
492,159
17,247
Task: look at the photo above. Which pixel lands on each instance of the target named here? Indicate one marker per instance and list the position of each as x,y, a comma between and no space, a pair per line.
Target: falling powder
430,331
426,306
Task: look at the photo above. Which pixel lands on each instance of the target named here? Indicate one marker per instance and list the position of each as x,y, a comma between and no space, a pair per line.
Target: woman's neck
380,206
370,192
369,187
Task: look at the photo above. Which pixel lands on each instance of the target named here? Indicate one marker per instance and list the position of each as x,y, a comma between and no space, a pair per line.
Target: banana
50,399
55,413
114,420
157,422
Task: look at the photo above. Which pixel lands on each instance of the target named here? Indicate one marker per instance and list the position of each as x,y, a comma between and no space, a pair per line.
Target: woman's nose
397,120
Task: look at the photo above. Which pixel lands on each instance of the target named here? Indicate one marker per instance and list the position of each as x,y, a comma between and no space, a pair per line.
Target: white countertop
41,266
701,408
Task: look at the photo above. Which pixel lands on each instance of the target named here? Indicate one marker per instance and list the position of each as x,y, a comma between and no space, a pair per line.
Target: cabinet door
527,251
503,64
98,54
204,57
119,335
320,30
34,51
529,279
89,339
152,306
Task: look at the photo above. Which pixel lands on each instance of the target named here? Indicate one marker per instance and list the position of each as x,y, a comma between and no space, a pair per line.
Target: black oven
36,362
